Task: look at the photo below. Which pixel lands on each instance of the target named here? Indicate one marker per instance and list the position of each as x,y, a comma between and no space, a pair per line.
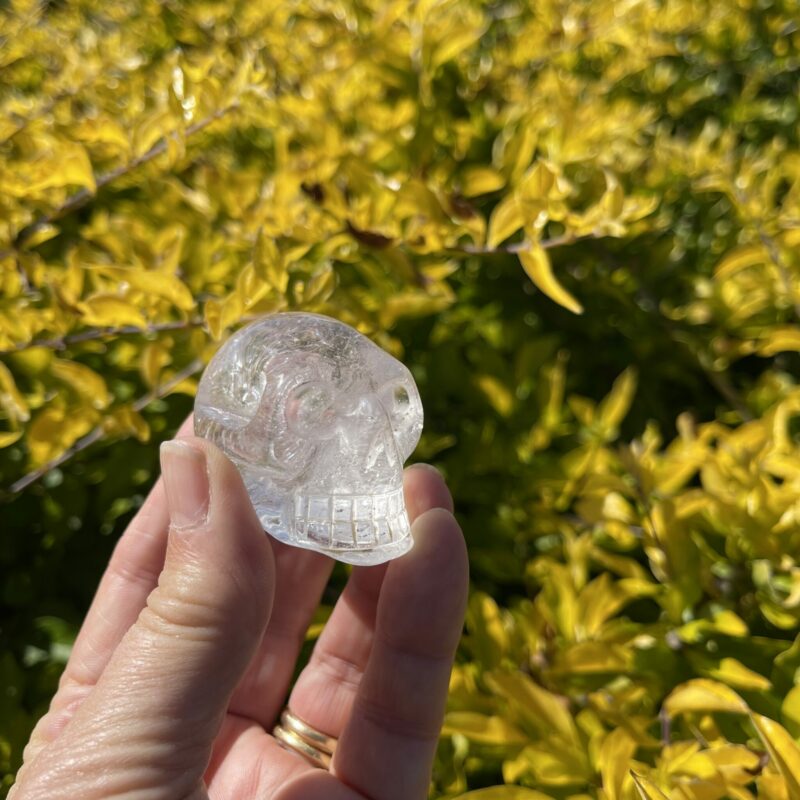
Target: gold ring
295,734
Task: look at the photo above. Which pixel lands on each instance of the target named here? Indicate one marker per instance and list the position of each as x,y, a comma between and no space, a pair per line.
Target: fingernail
185,474
421,465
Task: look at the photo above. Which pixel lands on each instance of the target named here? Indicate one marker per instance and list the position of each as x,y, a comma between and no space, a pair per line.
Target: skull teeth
348,522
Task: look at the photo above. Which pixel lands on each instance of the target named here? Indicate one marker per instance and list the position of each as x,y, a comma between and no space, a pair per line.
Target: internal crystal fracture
319,421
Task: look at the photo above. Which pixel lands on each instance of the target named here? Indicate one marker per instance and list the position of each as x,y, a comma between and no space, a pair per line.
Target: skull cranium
319,421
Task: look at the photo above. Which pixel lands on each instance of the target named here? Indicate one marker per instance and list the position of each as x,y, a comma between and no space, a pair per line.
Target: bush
578,223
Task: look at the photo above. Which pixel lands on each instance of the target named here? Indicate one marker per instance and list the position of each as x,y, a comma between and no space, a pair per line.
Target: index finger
398,710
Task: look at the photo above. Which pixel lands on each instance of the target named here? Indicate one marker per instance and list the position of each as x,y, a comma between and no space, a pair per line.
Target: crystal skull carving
319,420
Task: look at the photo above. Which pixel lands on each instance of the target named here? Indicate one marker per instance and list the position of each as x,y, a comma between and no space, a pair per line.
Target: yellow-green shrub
578,223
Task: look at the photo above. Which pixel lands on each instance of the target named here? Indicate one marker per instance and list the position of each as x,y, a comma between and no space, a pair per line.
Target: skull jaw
360,529
358,555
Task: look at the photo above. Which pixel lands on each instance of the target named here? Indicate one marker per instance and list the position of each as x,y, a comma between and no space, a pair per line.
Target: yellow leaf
212,315
598,601
456,41
734,673
84,381
586,658
613,199
647,789
613,409
127,421
8,438
250,288
504,793
269,264
152,128
519,150
54,429
154,357
482,728
536,186
42,234
790,710
12,402
551,764
724,621
488,637
73,168
499,395
102,130
536,264
219,315
701,694
783,751
108,310
740,258
412,304
779,339
616,752
319,287
479,180
155,283
540,709
506,219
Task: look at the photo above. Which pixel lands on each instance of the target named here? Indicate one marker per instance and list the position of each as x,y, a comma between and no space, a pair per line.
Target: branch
62,342
82,197
97,434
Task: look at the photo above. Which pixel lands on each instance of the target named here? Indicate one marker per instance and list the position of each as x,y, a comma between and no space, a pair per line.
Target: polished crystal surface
319,421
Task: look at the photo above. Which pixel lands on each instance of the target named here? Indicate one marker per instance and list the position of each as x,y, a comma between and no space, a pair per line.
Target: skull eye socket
401,398
309,410
401,402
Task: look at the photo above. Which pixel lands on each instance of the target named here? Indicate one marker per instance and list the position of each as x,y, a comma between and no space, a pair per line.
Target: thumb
167,687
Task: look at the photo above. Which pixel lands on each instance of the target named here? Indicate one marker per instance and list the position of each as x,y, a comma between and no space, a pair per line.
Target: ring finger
325,690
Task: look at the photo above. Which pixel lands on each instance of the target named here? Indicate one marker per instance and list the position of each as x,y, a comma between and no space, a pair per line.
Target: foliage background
460,180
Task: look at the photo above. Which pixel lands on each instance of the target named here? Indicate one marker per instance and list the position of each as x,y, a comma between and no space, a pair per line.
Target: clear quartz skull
319,420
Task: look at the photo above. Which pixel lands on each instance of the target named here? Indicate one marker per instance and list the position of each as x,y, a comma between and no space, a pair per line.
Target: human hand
185,658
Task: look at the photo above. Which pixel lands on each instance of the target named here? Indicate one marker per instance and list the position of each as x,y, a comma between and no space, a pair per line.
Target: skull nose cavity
348,522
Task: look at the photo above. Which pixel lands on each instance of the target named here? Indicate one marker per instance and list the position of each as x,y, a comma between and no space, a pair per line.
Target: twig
94,334
770,245
719,380
62,342
517,247
97,434
82,197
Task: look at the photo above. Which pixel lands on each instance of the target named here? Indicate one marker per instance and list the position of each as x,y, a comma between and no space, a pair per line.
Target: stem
517,247
82,197
62,342
98,433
